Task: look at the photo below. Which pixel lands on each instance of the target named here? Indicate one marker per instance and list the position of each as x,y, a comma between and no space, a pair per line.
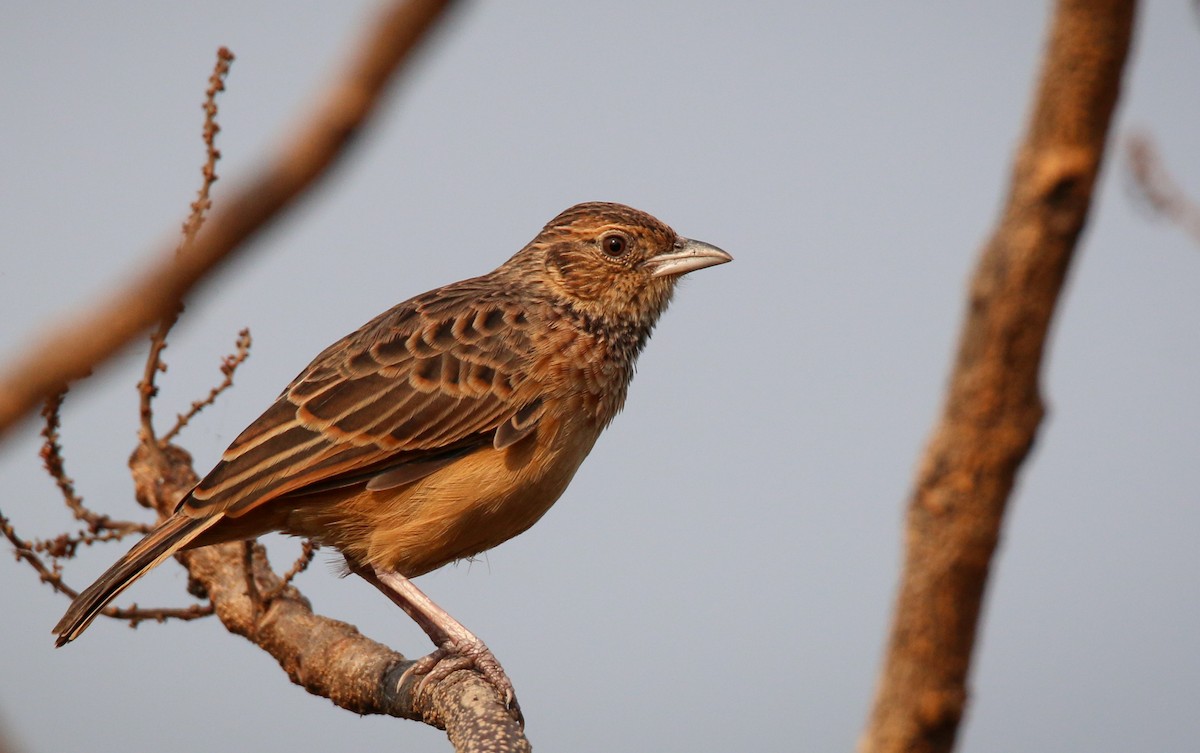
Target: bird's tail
169,537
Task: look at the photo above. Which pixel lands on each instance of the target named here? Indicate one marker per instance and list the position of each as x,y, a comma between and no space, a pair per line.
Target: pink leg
457,647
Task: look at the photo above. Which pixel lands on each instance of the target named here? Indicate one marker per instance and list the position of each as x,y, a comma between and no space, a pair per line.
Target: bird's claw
451,657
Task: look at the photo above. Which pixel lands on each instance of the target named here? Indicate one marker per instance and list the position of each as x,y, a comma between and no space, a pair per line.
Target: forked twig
99,526
102,527
199,208
52,574
229,365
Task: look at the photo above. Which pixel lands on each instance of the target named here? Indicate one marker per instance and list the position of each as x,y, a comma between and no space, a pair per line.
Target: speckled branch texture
326,657
72,350
993,408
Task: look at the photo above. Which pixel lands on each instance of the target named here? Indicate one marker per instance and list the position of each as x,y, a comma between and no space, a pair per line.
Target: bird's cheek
568,274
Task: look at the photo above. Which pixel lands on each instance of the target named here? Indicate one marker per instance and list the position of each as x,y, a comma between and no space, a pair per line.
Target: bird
442,427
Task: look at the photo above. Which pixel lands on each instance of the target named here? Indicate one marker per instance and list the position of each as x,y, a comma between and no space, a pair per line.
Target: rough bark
324,656
994,407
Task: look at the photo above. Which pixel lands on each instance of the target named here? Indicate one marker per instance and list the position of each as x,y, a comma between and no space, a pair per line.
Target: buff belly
468,507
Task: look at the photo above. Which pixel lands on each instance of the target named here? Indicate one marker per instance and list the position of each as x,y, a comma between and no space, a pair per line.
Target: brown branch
52,575
327,657
1158,188
308,550
993,407
26,553
147,390
229,365
71,351
98,526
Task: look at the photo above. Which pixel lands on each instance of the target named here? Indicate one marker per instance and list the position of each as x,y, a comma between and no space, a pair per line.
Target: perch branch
327,657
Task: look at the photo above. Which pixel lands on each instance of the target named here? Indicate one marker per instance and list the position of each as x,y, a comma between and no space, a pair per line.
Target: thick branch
993,408
324,656
87,339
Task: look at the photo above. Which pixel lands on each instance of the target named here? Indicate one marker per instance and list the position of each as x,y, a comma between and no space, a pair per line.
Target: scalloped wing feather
417,387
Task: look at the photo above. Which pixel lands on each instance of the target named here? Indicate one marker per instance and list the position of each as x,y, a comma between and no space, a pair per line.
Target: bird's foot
452,656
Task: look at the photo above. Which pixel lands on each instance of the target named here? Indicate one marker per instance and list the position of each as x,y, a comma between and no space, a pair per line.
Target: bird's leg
457,647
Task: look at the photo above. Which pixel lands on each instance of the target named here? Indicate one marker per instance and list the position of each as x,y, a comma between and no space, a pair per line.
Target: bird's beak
686,256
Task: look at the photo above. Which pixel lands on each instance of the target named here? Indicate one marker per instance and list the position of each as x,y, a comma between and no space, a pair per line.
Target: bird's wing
428,381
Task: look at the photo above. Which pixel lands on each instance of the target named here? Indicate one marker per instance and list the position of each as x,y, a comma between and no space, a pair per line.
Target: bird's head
613,262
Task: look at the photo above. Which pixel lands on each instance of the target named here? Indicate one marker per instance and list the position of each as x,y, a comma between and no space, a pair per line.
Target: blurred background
720,574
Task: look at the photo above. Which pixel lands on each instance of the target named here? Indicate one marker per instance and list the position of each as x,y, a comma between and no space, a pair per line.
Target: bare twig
135,615
52,460
1158,188
993,407
229,365
25,552
52,575
158,341
325,656
200,207
72,350
308,548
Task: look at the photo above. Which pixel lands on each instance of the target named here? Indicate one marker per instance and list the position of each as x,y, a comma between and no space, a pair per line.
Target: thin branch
71,351
52,575
200,207
229,365
1158,188
26,553
52,460
993,407
65,545
158,341
325,656
308,549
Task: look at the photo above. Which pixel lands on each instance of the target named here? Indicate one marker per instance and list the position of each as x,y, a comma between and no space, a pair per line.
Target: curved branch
71,351
994,408
324,656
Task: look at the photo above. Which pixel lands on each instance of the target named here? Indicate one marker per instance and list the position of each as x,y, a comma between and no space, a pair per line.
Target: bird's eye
614,245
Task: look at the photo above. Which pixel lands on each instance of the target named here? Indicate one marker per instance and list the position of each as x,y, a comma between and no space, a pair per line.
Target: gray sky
719,576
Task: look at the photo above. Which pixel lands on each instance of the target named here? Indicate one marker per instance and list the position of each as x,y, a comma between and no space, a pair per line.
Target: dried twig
308,548
99,527
25,552
52,574
200,207
102,527
993,407
158,341
1161,192
325,656
229,365
84,341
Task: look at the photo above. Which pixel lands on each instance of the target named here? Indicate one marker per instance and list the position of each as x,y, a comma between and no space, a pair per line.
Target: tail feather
172,535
